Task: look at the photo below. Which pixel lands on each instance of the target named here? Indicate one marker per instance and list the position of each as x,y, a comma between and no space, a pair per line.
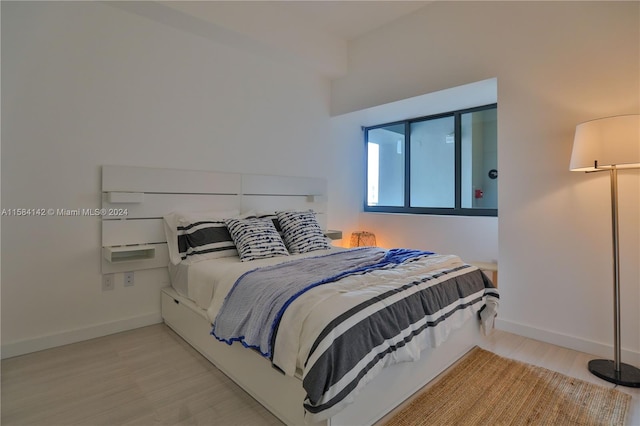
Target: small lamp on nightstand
363,239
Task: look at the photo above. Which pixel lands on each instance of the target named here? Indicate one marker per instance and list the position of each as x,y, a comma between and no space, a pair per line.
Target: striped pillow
256,239
202,239
302,232
174,219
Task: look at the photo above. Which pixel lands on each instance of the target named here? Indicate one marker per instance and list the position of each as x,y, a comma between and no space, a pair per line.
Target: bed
345,335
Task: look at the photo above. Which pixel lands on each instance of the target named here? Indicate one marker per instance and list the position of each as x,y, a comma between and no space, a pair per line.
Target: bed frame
283,395
149,193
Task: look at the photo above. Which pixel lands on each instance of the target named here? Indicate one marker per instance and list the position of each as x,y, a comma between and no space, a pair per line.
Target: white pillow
173,220
256,239
302,232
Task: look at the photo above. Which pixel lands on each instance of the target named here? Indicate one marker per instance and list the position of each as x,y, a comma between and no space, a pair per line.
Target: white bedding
340,336
201,281
305,319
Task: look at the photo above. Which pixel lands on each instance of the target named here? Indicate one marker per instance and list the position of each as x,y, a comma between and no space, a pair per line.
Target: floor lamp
611,144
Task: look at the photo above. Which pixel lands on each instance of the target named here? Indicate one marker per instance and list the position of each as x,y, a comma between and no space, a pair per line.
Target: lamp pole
615,371
613,173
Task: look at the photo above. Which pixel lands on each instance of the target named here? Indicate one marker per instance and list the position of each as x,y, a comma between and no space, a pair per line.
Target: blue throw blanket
252,310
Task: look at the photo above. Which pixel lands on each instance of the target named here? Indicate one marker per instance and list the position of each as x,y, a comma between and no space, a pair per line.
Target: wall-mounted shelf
128,253
333,235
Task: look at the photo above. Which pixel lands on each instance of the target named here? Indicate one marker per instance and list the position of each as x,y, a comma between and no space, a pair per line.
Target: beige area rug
487,389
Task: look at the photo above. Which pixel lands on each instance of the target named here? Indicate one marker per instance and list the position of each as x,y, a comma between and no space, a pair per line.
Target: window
441,164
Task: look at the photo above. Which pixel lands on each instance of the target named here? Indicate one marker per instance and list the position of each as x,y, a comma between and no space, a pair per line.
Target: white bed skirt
283,395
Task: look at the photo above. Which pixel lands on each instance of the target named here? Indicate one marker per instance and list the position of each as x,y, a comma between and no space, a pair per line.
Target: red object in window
479,193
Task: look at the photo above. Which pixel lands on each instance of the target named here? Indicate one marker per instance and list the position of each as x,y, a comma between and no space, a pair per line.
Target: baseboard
26,346
39,343
568,341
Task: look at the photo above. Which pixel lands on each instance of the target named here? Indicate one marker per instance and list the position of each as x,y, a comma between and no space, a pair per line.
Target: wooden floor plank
150,376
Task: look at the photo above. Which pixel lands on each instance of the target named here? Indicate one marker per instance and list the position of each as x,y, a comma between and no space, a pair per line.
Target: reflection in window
479,157
373,175
433,176
385,174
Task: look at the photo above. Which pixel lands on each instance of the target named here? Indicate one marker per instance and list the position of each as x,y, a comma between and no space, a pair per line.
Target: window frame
457,210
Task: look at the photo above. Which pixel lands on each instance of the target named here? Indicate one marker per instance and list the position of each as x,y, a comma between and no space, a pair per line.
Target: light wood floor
150,376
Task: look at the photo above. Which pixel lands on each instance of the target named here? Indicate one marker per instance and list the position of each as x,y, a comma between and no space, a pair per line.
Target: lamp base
605,369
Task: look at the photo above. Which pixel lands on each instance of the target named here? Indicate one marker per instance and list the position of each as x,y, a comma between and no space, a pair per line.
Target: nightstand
333,235
489,268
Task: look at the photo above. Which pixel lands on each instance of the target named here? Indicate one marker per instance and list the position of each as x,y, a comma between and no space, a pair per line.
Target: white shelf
128,253
333,235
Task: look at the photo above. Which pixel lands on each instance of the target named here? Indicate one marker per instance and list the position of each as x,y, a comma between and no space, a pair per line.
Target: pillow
204,239
264,215
170,223
256,238
174,219
302,232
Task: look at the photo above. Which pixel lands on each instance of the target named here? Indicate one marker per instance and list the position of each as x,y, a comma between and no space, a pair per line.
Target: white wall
557,64
86,84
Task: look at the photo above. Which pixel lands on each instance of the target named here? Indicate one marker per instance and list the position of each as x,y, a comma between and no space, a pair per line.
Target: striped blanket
342,317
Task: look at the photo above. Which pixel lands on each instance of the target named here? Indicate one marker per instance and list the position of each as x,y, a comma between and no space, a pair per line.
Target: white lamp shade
606,142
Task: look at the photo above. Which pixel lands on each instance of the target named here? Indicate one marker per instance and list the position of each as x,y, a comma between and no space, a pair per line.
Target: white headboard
134,200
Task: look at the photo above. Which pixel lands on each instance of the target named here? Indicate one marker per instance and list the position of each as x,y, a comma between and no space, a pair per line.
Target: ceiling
343,19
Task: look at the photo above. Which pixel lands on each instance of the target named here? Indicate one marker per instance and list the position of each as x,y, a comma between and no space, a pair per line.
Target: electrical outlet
128,279
108,282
